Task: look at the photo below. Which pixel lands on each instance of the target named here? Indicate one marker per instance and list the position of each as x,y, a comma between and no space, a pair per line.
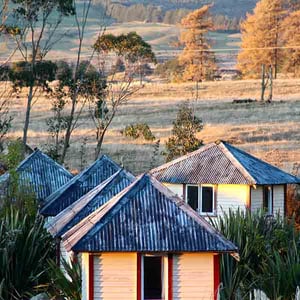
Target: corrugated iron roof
145,217
41,173
88,203
81,184
221,163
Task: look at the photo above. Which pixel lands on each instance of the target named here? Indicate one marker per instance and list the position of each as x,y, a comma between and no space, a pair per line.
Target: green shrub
269,255
138,130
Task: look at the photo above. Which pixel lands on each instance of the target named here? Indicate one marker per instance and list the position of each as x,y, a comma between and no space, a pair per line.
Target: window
268,199
153,278
201,198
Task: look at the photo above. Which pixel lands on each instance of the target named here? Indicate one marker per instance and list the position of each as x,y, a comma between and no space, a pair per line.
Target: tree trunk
271,84
69,130
263,84
27,117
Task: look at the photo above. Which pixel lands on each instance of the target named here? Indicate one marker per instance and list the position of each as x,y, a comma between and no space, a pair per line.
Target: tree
184,131
196,57
261,39
37,22
291,40
76,82
132,50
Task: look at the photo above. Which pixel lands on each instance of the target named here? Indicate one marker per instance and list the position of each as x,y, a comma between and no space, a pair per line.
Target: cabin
39,173
219,177
147,243
81,184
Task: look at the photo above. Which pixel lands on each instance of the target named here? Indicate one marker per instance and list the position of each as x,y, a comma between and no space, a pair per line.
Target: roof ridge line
181,158
236,163
64,187
113,201
71,207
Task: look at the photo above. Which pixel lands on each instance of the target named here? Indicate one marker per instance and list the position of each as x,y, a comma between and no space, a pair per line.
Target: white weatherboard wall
229,196
256,198
193,276
175,188
278,199
232,196
115,276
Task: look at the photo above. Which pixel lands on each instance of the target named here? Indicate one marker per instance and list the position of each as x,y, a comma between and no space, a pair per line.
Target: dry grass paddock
270,131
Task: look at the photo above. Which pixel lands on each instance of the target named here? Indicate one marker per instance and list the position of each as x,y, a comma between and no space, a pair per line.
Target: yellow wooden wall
193,276
115,276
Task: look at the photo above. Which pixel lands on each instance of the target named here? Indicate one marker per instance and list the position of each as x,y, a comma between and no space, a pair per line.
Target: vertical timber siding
115,276
278,199
193,276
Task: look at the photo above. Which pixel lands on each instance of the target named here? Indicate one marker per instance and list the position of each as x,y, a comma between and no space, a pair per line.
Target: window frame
270,209
164,274
199,208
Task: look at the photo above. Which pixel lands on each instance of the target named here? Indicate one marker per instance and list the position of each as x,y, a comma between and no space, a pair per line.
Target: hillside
231,8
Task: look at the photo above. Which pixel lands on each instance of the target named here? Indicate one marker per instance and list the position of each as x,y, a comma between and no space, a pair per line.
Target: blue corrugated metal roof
145,217
88,203
260,171
41,173
221,163
81,184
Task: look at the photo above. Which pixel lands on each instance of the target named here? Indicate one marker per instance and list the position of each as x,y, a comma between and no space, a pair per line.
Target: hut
81,184
147,243
39,173
219,177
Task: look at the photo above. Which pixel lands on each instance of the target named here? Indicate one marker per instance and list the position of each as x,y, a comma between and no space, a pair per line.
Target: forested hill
231,8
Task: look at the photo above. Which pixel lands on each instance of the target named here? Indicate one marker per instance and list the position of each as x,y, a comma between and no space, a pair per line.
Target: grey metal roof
88,203
145,217
41,173
221,163
81,184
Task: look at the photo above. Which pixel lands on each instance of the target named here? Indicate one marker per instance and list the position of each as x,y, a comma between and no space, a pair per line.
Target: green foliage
5,121
138,130
130,46
24,247
66,279
24,74
185,128
171,69
267,247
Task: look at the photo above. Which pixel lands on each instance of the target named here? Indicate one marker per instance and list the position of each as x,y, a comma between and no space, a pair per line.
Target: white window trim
164,276
213,201
270,211
199,210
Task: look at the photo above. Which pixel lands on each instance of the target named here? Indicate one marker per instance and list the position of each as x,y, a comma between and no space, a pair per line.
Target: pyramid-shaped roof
221,163
41,173
88,203
146,216
81,184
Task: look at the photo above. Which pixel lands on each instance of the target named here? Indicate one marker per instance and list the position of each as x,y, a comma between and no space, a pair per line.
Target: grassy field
270,131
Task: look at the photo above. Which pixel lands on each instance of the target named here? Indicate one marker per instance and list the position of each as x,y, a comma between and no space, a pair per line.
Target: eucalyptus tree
35,24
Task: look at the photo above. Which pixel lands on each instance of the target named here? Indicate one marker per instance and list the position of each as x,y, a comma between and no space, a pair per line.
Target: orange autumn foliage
196,57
